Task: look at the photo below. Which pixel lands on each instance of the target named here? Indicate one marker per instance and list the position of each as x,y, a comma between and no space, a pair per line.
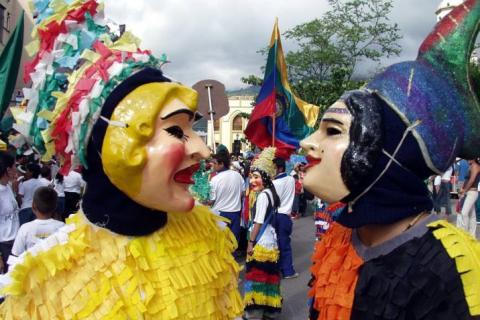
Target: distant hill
249,91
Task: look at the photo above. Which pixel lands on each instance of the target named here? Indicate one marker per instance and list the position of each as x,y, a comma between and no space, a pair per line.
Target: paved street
295,290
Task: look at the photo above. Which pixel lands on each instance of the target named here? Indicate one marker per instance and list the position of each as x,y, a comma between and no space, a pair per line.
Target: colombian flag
294,118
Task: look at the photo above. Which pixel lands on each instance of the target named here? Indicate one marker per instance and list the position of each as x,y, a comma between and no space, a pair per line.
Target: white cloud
220,38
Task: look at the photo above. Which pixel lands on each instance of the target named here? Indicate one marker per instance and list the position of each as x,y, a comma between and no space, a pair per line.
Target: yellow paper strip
33,47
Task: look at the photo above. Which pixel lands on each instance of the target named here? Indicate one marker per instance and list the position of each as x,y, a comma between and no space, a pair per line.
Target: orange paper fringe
335,269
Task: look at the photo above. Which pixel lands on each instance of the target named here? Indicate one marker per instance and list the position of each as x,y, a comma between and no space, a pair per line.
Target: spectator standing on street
298,194
73,185
442,192
226,192
285,187
8,209
462,167
59,186
26,191
43,206
467,220
45,176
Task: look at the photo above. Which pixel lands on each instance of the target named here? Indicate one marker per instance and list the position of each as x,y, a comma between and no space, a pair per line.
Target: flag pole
211,113
273,129
274,115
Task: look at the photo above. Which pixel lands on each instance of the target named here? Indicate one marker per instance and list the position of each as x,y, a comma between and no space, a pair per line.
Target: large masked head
142,154
99,101
149,145
374,147
344,148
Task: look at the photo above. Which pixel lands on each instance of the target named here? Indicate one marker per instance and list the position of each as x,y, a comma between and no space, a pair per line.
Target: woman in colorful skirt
262,279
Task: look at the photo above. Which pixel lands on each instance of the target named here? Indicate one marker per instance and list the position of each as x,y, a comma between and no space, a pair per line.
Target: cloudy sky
219,39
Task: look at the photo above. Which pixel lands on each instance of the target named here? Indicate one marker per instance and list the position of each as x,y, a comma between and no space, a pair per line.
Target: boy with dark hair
222,160
26,190
45,176
43,206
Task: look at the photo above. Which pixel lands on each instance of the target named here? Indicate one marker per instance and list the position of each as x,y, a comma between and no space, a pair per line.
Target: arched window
237,124
216,125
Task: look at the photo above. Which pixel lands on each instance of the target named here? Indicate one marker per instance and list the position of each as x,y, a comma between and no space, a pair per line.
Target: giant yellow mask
150,150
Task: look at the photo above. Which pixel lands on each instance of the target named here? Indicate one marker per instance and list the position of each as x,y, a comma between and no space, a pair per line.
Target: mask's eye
177,132
331,131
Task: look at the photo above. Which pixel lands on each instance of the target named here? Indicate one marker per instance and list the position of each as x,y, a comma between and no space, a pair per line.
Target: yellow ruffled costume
465,250
183,271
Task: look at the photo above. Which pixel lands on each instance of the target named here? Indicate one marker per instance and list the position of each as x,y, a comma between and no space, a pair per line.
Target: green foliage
252,80
351,31
324,92
201,188
244,115
330,48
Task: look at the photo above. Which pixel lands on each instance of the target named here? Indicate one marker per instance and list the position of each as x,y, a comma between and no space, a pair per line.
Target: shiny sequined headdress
435,90
78,60
264,162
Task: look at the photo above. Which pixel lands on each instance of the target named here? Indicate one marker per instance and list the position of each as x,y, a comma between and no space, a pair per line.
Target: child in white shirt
43,206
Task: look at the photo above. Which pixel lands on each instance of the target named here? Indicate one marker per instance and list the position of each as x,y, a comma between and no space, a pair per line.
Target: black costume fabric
417,280
410,277
103,203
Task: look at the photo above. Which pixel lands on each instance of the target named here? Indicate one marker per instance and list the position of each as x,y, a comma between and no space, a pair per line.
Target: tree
331,47
252,80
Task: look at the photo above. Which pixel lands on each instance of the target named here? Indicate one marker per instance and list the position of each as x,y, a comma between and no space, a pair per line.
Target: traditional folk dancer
139,248
387,257
262,279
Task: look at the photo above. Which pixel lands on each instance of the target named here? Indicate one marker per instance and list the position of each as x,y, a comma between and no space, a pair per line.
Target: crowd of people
459,181
233,194
35,200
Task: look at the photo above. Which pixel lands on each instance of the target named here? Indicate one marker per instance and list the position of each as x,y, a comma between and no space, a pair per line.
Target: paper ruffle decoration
175,273
264,162
262,280
201,188
78,59
335,271
465,250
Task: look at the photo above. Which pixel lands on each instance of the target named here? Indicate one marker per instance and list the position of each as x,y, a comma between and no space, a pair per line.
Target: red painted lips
311,161
185,175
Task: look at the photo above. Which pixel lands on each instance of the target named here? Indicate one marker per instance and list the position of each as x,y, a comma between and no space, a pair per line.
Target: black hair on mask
365,137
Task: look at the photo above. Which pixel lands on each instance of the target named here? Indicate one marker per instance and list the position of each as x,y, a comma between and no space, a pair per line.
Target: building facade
230,127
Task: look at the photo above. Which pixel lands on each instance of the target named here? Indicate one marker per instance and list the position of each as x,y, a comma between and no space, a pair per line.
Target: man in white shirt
26,191
285,187
8,208
29,234
226,192
73,186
